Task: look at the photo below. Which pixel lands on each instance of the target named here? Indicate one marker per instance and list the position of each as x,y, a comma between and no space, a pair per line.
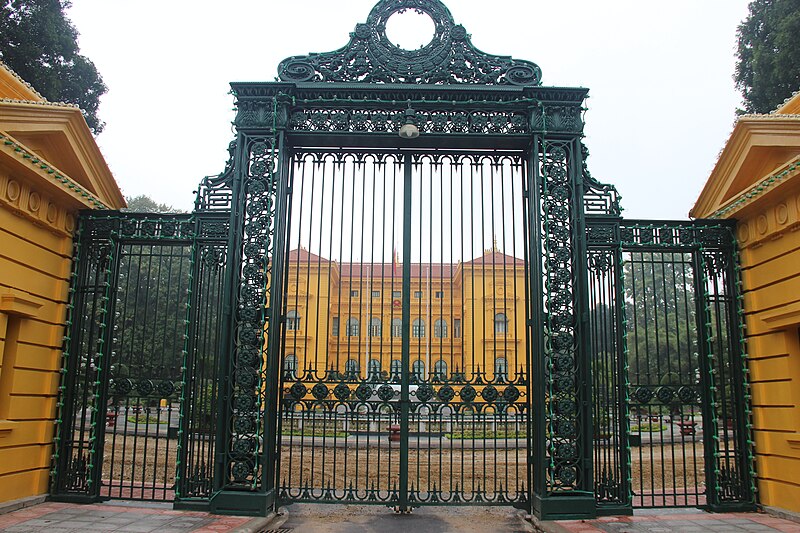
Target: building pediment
59,135
762,151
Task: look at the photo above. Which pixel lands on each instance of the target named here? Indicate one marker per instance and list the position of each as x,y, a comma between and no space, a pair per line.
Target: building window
375,327
457,328
417,294
290,367
418,328
376,294
440,369
352,327
440,329
353,294
292,321
374,370
396,294
418,370
500,323
501,369
335,327
395,368
397,327
439,294
351,369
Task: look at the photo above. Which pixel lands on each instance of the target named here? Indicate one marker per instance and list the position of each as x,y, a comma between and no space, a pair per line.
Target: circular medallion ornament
489,393
468,393
129,227
566,451
566,474
298,391
563,362
565,428
341,391
245,402
144,387
169,229
320,391
446,393
244,446
122,387
665,394
562,382
385,392
240,471
246,377
511,394
425,392
566,407
687,395
643,395
244,424
165,389
363,392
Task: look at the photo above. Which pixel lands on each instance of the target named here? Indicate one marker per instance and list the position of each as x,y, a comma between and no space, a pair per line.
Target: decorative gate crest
450,57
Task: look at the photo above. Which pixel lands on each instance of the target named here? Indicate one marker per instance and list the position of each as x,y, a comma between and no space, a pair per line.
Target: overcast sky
662,99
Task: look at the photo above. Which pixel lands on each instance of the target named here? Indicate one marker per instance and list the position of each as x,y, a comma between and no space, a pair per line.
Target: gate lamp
409,130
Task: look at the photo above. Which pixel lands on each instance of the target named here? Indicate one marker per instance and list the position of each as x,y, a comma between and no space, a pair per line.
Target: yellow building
757,182
346,317
50,168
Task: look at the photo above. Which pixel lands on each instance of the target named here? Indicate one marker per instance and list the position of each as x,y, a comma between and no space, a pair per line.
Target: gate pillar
246,436
561,461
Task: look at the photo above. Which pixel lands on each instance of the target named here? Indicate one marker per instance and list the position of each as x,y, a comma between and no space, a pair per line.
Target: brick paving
139,517
53,517
689,521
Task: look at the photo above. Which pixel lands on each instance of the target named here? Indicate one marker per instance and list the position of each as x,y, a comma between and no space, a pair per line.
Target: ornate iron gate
668,361
138,400
404,348
392,295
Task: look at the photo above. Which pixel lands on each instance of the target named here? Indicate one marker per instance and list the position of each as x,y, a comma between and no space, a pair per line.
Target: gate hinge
525,193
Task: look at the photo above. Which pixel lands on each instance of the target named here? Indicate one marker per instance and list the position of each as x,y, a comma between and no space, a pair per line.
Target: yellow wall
771,274
38,207
757,182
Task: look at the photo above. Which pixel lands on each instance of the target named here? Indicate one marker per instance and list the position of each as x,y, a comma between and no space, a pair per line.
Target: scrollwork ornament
450,57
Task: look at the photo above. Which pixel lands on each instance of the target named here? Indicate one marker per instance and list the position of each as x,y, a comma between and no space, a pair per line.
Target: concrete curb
782,513
260,524
16,505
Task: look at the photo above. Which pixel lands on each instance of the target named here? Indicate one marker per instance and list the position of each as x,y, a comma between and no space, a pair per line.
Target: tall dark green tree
40,43
768,55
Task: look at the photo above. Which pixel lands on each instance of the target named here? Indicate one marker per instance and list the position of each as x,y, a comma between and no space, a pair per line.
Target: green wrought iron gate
405,288
404,348
670,409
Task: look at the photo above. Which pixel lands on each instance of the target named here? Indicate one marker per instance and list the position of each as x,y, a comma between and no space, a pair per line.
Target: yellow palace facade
467,318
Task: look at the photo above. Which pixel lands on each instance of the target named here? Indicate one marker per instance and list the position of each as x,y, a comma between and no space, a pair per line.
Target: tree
145,204
768,66
41,45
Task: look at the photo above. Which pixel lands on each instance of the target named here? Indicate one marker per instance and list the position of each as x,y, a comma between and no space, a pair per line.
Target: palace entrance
405,289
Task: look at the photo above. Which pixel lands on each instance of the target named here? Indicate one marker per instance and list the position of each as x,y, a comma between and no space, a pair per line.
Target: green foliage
649,427
145,204
660,308
486,434
41,45
768,55
146,419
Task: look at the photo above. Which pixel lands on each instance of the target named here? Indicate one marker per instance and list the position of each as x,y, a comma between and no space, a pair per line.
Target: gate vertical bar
406,340
707,381
275,321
